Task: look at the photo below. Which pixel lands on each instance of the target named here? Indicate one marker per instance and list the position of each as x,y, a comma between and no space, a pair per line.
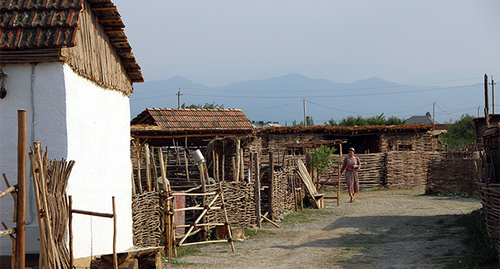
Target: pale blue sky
409,42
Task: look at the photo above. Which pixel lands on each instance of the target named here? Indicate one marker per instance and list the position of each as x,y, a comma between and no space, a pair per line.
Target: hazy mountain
286,82
280,99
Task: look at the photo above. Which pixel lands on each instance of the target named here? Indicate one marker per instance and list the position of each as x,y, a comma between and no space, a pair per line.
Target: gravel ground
381,229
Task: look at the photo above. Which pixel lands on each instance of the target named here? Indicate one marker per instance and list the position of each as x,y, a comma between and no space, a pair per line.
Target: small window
405,147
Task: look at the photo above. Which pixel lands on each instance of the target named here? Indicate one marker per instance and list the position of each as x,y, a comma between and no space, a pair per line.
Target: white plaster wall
98,140
76,120
38,89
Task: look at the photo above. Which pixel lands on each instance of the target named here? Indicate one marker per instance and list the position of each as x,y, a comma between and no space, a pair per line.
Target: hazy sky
223,41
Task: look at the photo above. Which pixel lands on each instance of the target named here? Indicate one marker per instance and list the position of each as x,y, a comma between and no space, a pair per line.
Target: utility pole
486,101
434,113
305,117
179,98
492,95
478,109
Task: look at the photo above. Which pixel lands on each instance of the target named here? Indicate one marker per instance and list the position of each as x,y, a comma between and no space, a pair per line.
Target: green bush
321,158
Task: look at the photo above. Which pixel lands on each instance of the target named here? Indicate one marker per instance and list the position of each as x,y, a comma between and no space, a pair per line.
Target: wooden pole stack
50,179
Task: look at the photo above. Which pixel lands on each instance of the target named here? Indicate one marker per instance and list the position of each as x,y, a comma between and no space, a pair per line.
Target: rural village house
181,131
70,66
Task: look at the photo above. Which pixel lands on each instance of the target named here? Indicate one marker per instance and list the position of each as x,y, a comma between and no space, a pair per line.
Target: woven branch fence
452,174
239,201
146,219
490,199
284,182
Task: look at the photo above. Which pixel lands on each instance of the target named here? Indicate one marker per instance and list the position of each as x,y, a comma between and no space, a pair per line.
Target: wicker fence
146,219
490,198
239,200
284,184
452,174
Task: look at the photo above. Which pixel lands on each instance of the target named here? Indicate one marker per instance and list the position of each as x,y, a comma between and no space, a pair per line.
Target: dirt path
381,229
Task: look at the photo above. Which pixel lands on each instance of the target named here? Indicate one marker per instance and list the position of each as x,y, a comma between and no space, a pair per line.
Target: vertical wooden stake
21,190
235,172
257,191
155,171
214,165
223,169
115,257
338,182
217,174
162,168
250,167
242,165
486,101
186,163
238,163
138,156
271,185
134,192
70,228
204,179
148,166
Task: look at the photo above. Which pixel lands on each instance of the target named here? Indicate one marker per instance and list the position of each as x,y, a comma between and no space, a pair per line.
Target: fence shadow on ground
367,231
393,241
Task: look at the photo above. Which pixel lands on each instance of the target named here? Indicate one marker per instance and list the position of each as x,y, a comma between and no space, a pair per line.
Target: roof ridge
195,109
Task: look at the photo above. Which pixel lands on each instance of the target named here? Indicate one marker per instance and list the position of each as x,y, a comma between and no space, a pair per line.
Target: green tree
360,121
321,158
205,106
461,133
310,121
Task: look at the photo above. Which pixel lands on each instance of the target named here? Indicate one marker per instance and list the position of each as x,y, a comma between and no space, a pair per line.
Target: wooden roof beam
103,8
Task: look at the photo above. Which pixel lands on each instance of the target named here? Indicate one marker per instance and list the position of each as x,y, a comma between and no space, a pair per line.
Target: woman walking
351,166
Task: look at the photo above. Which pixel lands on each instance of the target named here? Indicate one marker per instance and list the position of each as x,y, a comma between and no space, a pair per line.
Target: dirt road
381,229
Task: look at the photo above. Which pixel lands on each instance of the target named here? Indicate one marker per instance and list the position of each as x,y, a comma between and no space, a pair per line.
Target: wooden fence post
21,190
257,190
271,185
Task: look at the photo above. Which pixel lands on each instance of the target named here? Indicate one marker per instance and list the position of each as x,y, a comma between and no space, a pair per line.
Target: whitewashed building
70,66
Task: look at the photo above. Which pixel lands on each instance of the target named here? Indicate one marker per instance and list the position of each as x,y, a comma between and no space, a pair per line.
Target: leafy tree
205,106
310,121
461,133
321,158
360,121
395,121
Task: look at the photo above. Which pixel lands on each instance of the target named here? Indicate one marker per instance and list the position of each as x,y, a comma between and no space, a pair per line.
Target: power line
268,108
333,96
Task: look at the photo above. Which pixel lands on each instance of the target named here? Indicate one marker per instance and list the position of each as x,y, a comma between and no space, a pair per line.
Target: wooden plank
306,179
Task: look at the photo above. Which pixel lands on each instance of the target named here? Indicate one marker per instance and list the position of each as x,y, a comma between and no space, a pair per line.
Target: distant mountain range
280,99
